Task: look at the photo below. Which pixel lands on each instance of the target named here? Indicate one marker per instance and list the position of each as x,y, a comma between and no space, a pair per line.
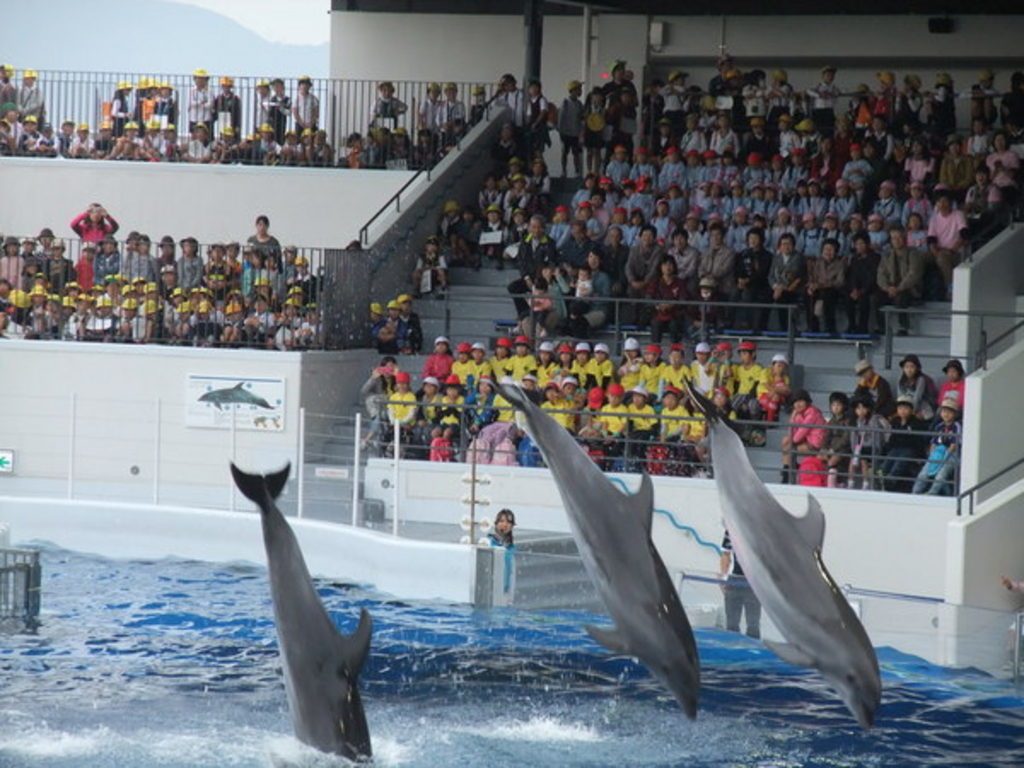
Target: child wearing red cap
523,361
462,366
501,360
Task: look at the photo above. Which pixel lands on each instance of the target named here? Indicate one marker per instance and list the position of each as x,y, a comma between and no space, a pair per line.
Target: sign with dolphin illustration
251,403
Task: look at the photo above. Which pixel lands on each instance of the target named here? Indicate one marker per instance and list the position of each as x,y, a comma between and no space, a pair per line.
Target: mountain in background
146,36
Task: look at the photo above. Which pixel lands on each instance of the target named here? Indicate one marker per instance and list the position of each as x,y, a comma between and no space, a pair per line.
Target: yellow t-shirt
698,427
629,373
500,366
581,372
674,377
650,376
747,380
768,382
601,374
478,371
404,412
613,419
672,424
453,416
643,417
429,408
520,366
546,373
506,412
462,370
567,420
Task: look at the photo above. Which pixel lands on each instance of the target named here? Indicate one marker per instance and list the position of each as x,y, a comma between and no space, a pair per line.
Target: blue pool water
173,663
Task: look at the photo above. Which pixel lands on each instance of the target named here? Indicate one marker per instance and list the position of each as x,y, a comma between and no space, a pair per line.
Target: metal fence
871,464
140,273
20,580
346,107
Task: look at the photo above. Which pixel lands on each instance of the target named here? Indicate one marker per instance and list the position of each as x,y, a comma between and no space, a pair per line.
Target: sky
295,22
239,37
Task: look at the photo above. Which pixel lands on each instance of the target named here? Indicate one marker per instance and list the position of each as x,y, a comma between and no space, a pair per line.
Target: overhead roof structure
925,8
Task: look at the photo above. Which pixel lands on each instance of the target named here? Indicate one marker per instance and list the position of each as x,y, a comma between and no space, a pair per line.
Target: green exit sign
6,460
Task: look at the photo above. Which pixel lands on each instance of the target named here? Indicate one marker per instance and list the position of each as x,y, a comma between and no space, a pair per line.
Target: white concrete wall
986,546
116,388
993,281
995,421
395,566
440,47
121,450
865,541
310,207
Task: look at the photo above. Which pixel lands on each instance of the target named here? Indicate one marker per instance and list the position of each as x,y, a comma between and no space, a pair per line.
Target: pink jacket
803,427
83,227
438,366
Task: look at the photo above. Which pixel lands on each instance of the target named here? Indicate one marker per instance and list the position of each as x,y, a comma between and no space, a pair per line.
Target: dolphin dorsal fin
609,638
239,385
642,502
357,645
812,524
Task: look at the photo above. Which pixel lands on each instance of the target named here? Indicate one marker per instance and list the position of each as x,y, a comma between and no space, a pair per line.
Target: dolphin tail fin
258,488
357,645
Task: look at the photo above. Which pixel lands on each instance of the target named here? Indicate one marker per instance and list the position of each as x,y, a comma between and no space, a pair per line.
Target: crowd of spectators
634,413
901,436
838,201
257,294
149,121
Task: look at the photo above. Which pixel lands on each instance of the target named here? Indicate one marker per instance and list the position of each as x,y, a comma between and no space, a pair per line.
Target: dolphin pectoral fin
643,502
812,524
358,644
790,654
609,638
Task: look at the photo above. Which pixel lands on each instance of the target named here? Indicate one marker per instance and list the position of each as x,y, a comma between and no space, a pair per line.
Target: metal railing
648,451
346,107
985,344
233,281
971,493
20,587
704,320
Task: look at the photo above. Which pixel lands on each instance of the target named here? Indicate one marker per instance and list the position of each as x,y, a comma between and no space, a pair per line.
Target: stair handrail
971,492
364,231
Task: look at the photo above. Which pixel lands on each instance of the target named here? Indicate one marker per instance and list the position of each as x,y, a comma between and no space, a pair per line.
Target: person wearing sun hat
938,476
200,100
306,106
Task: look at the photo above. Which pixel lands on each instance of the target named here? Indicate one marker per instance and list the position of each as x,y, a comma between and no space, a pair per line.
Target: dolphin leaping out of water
781,557
321,666
613,534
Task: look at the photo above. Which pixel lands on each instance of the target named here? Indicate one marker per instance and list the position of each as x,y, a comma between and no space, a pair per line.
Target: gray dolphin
321,666
613,534
237,394
781,557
